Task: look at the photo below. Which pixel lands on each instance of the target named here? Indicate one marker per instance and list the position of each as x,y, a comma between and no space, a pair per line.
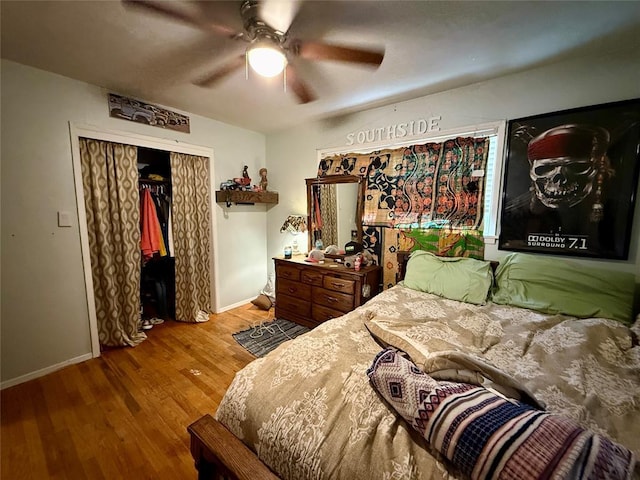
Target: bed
309,410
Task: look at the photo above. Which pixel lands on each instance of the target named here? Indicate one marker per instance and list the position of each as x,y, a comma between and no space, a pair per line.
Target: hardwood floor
124,414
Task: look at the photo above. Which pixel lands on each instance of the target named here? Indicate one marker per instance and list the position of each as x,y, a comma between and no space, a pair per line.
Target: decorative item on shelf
263,179
294,224
240,190
244,182
228,185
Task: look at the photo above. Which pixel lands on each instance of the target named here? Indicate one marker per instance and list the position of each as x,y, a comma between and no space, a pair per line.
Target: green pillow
456,278
553,285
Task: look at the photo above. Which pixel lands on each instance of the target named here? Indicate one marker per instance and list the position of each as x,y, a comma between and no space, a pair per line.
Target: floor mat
267,336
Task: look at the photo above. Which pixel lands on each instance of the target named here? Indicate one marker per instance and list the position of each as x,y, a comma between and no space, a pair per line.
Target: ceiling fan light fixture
266,59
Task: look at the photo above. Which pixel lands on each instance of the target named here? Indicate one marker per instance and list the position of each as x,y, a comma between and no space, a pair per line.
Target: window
493,183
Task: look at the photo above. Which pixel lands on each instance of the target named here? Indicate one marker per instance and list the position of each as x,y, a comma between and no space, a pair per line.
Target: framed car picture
147,113
571,180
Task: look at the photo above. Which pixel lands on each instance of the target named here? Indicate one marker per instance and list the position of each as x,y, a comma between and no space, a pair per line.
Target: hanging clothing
157,287
170,247
162,203
162,250
151,241
317,211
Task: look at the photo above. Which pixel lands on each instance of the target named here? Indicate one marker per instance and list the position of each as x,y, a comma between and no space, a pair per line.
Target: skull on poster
565,162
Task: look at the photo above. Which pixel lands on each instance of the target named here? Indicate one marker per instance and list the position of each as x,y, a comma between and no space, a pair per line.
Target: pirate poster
570,181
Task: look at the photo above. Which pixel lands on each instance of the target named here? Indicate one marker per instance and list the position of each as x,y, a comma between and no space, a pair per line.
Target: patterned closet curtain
191,235
110,184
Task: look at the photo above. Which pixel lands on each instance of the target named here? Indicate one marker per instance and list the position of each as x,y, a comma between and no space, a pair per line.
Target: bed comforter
309,412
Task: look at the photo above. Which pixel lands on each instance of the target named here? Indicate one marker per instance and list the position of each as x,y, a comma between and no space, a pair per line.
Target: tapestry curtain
425,196
110,185
191,236
385,243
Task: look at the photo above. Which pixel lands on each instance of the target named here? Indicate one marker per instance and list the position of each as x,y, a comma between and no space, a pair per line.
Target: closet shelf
245,197
154,182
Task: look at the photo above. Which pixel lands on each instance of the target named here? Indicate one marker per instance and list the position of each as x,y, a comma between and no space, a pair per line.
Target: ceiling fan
269,51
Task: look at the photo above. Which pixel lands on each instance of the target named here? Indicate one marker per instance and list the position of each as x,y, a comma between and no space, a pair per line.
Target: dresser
312,293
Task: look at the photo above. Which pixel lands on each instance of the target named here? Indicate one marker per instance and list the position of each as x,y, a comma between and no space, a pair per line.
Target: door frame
77,131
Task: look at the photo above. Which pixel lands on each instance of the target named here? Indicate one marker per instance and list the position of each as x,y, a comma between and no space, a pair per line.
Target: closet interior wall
157,279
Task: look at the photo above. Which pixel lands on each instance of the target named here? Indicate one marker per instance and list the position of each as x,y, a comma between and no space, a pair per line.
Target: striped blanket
488,436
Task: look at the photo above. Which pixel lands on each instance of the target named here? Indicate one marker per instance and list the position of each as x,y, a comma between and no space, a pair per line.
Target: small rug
263,338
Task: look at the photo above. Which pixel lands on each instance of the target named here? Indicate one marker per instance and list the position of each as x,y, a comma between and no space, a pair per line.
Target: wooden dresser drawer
312,277
287,272
293,304
293,288
335,300
320,313
338,284
310,294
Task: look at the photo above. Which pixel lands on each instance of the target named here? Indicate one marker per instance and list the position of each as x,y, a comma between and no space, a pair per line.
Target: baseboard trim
237,304
44,371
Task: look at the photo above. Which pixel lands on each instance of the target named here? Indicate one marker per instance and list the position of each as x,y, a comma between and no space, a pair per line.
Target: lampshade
294,224
266,59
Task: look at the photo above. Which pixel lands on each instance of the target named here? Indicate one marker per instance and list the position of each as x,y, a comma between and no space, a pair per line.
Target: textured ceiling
429,47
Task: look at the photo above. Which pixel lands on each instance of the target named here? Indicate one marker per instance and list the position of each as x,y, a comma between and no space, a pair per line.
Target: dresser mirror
334,209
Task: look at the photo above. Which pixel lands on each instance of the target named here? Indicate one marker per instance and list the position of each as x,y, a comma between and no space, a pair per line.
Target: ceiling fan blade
217,75
166,9
279,14
300,88
325,51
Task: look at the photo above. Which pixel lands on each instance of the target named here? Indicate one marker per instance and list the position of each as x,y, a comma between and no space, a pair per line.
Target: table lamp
294,224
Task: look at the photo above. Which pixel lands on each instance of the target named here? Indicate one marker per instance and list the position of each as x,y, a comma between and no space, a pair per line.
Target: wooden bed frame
219,454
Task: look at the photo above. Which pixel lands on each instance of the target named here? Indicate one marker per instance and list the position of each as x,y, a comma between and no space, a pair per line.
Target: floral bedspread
308,411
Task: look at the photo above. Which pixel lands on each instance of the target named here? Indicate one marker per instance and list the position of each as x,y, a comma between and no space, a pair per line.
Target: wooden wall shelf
246,197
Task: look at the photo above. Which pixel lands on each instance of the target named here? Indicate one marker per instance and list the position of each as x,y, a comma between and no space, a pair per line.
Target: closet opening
112,169
157,269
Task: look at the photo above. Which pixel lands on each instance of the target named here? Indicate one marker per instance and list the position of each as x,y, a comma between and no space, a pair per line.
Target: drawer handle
338,284
332,299
292,290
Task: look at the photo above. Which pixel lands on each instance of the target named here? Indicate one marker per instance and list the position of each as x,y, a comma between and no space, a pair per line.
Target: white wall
44,311
575,83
